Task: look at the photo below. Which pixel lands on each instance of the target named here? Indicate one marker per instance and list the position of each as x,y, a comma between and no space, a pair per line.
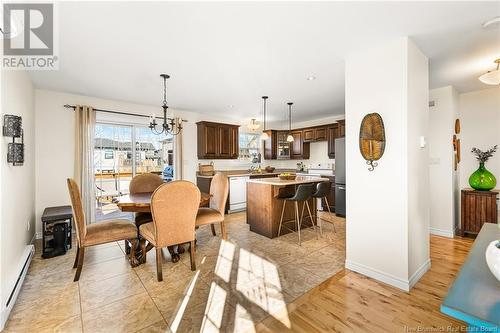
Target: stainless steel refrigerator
340,186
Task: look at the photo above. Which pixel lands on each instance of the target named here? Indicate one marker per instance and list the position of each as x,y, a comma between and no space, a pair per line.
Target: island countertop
276,181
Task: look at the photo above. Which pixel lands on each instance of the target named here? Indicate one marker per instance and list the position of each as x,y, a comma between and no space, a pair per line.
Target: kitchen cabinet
217,140
332,134
341,124
276,147
299,148
315,134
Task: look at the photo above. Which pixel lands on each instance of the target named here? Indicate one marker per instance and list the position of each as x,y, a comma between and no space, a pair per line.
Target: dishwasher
237,193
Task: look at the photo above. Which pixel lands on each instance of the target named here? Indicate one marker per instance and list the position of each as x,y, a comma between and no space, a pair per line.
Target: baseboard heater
29,253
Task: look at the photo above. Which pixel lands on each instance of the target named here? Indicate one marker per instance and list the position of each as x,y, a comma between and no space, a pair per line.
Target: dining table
141,203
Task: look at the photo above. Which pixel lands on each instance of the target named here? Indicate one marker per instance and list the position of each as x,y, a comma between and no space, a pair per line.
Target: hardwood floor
351,302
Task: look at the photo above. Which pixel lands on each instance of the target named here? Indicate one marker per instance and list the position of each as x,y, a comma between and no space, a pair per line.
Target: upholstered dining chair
143,183
174,206
97,233
214,214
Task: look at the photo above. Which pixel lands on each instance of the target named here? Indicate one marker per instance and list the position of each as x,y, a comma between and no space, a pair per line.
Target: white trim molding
389,279
14,287
441,232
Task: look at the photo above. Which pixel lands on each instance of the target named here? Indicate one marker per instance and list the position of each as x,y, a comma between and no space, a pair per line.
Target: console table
477,207
474,297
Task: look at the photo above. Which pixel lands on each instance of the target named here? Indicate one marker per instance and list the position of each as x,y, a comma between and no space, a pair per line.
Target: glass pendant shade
264,136
289,138
492,77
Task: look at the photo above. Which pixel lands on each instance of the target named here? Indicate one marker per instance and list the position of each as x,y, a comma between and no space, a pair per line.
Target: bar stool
322,191
302,194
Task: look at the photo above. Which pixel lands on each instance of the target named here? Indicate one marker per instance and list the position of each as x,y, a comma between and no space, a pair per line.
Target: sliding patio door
121,152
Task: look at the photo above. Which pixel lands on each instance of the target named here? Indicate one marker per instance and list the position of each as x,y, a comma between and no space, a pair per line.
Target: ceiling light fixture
169,125
492,77
264,135
493,23
253,125
289,137
311,78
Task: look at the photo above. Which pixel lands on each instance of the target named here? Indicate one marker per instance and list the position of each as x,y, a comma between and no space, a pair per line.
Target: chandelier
253,125
169,125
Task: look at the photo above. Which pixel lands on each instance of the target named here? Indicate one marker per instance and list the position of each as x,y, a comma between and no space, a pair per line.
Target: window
250,147
120,153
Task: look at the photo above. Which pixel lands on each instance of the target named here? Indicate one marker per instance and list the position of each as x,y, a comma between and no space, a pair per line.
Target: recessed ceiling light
311,78
493,23
231,106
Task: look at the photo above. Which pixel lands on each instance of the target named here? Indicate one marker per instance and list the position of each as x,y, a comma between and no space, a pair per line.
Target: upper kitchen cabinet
217,140
276,147
315,134
334,131
299,148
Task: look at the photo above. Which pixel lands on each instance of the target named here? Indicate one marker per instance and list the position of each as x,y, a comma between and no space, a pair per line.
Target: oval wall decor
372,139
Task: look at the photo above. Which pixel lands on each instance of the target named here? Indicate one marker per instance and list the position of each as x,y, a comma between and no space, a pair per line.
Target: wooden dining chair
214,214
97,233
143,183
174,206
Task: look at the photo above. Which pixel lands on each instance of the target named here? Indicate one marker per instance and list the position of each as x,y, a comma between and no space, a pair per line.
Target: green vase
482,179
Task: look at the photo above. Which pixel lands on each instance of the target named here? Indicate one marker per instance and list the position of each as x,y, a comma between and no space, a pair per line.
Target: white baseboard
14,286
420,272
378,275
389,279
441,232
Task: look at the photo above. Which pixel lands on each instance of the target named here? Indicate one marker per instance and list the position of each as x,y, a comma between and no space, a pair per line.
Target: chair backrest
322,190
219,190
303,192
174,206
78,213
145,183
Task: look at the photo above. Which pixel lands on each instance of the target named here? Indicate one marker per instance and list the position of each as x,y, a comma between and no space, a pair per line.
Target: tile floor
237,284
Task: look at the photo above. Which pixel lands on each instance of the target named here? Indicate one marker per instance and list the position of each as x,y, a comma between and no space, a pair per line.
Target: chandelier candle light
264,135
169,126
289,137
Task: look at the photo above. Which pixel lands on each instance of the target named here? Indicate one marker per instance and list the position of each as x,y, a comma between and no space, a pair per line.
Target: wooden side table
477,208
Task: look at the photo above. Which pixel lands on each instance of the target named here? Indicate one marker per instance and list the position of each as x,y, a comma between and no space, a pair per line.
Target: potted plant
482,179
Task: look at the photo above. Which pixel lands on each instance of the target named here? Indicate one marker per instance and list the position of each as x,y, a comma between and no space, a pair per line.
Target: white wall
443,177
17,188
390,80
480,120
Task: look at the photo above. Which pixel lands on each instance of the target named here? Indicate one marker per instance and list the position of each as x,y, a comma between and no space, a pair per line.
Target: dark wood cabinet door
224,133
332,134
478,207
309,135
270,145
320,134
208,145
235,142
297,144
341,124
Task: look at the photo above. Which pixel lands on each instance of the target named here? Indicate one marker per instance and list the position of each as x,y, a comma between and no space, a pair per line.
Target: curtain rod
118,112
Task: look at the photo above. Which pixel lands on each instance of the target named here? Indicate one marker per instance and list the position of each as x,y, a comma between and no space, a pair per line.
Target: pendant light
264,135
492,77
253,125
289,137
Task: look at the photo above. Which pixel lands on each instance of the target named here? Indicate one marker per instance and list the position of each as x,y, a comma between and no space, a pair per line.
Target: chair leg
213,230
281,219
81,254
159,257
127,247
192,255
330,214
142,245
297,219
223,230
310,216
76,257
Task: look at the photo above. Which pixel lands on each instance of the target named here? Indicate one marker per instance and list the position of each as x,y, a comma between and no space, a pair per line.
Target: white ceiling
222,54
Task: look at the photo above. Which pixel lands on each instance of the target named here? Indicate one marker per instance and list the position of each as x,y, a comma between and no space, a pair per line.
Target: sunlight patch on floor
180,312
214,310
225,260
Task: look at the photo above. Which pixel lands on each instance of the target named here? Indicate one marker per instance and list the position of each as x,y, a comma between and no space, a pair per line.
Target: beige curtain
84,158
178,155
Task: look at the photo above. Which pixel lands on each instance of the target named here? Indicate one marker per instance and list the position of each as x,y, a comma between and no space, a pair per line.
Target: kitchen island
264,208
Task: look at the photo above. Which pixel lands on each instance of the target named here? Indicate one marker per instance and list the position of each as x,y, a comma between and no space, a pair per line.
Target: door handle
341,188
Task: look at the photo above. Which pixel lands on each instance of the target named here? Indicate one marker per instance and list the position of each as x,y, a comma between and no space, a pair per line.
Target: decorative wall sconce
372,139
456,144
12,127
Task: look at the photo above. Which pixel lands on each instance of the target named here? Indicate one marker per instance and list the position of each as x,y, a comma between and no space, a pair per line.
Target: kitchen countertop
245,173
279,182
